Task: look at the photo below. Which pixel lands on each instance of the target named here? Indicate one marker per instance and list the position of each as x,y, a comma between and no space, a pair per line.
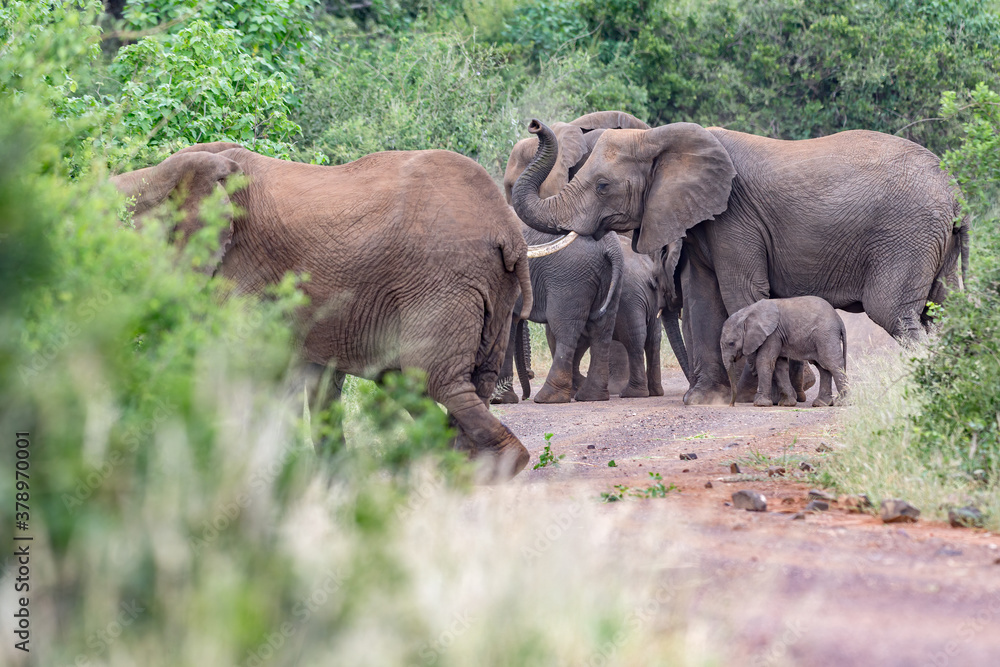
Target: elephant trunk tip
535,126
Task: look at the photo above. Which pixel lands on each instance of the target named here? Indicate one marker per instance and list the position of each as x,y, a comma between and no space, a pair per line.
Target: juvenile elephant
864,220
772,332
415,261
575,294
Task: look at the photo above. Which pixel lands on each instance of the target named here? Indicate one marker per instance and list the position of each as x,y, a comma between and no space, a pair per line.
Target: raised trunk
538,213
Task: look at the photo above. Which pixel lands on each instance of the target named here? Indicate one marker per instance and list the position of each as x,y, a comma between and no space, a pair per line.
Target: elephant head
660,181
575,140
743,333
187,177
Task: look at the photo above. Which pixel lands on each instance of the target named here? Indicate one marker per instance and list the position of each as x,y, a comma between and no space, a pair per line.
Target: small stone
823,447
750,501
708,485
686,470
788,501
775,471
691,456
591,447
805,467
584,458
965,517
734,468
894,510
856,503
817,506
822,495
948,551
732,444
798,516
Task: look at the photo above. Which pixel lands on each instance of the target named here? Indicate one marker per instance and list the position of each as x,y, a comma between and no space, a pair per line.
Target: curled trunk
538,213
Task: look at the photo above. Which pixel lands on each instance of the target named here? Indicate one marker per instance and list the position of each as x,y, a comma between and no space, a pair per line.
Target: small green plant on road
547,458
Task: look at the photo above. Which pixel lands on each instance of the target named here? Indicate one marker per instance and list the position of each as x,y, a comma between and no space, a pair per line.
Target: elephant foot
506,397
841,400
635,392
822,401
786,401
762,401
656,390
550,394
589,393
503,463
717,395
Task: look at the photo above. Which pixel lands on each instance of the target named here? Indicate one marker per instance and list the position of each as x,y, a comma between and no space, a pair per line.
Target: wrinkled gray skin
415,261
575,293
576,141
771,332
862,219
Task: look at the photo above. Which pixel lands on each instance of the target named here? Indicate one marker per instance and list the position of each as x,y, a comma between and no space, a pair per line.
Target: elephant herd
416,259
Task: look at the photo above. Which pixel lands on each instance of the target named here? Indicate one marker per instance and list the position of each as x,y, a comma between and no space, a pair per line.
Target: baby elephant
770,332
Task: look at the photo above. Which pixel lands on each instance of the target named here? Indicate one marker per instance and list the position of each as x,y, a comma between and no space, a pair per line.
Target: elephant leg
579,378
765,359
653,341
631,332
324,386
782,392
595,387
825,396
505,384
558,387
802,378
746,388
892,305
704,315
842,389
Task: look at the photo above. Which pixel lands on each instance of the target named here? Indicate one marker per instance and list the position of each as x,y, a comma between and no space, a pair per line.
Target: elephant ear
188,178
609,120
572,148
690,180
758,325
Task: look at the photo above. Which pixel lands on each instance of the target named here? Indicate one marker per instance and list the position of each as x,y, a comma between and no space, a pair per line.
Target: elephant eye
602,188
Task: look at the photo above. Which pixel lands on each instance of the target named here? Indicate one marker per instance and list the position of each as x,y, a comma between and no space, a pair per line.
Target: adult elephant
864,220
414,261
575,293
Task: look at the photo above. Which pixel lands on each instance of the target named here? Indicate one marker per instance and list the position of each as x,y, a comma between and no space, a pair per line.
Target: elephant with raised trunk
414,261
864,220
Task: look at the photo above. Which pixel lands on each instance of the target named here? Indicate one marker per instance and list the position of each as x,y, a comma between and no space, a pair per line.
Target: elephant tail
613,253
522,357
843,340
673,329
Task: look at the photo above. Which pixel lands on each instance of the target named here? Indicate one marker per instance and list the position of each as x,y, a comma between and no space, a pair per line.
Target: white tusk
551,247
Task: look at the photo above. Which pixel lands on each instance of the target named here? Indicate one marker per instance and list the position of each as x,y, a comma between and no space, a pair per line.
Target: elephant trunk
734,380
669,318
538,213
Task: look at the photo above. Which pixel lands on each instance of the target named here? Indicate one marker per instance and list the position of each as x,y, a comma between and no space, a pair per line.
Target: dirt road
791,587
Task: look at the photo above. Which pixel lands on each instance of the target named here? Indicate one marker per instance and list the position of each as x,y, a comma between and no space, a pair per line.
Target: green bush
200,85
958,384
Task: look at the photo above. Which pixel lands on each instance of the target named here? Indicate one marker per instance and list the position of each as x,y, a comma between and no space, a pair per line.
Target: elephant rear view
414,261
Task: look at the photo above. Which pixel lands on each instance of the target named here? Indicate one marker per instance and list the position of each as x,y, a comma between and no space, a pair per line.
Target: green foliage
957,385
273,30
801,68
547,458
657,489
544,29
409,93
201,85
